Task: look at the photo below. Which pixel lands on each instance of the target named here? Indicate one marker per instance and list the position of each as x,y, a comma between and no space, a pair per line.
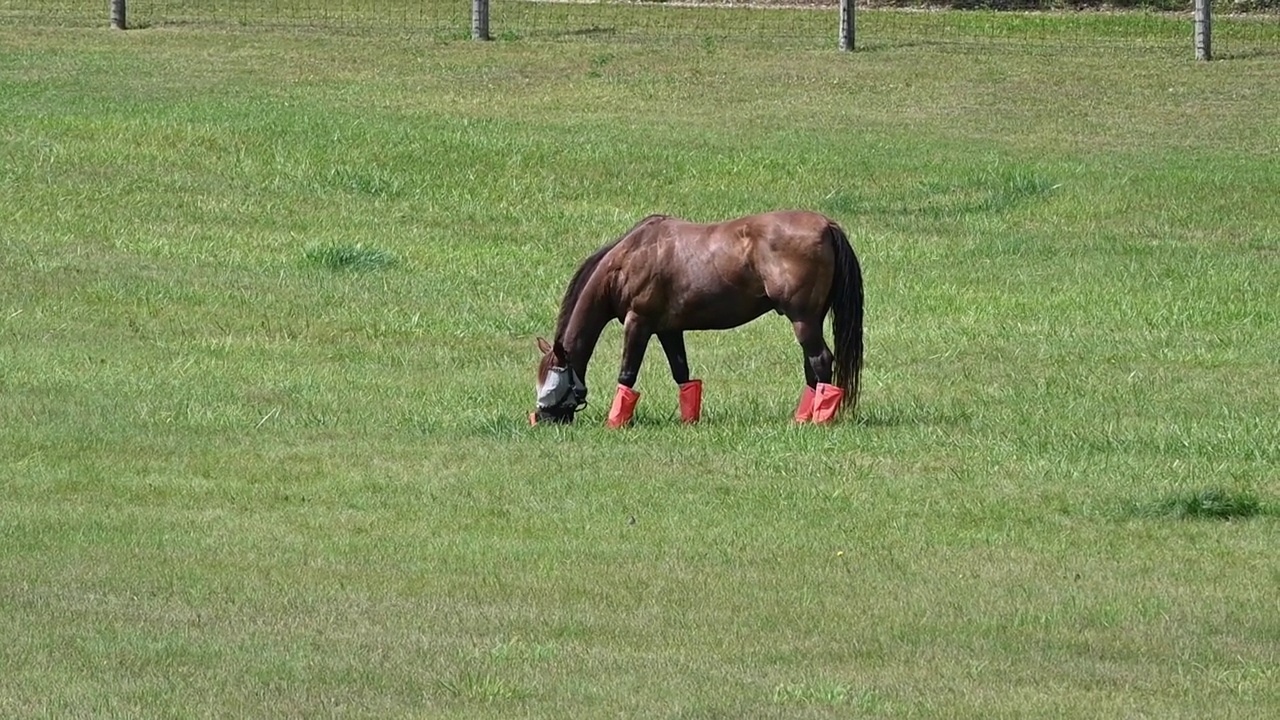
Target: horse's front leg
690,390
635,339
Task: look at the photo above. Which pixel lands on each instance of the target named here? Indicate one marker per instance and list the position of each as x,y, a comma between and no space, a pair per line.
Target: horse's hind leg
818,357
820,398
673,346
690,390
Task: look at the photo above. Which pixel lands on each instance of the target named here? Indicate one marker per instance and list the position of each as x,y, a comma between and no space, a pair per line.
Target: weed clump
1211,504
348,257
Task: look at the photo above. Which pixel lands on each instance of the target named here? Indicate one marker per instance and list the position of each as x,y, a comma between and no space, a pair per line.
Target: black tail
846,311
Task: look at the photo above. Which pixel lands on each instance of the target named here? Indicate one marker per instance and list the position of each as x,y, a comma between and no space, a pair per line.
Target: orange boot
690,401
804,410
826,401
624,404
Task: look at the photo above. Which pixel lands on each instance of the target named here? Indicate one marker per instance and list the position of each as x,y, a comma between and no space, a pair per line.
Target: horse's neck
586,321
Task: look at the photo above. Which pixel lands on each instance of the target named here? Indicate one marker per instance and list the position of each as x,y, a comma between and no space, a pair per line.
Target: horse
667,275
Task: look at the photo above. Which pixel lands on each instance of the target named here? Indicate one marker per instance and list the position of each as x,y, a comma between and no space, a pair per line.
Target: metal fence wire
798,24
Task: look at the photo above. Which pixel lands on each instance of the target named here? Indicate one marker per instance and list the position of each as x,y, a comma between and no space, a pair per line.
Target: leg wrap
826,402
804,410
624,405
691,401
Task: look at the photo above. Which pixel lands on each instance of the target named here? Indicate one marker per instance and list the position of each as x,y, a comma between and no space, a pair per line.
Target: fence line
792,24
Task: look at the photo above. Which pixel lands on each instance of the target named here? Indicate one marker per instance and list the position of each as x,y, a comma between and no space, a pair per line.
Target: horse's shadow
500,424
871,417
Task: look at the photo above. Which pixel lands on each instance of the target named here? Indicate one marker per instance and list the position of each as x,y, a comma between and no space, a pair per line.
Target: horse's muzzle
556,415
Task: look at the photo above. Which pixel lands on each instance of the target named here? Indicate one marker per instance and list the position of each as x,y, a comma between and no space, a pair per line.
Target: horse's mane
583,275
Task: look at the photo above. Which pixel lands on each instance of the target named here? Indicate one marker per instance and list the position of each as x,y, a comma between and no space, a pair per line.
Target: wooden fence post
119,20
846,25
1204,30
479,19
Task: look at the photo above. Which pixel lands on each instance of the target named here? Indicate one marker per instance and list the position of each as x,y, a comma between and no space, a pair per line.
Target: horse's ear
560,352
543,346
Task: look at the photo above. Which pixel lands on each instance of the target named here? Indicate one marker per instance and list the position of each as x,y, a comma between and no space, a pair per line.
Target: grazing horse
667,275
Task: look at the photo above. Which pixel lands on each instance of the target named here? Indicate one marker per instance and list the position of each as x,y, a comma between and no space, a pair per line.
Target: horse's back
779,231
796,225
688,275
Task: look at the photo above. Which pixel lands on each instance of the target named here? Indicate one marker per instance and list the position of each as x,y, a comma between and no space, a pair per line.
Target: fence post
1204,30
119,20
846,25
479,19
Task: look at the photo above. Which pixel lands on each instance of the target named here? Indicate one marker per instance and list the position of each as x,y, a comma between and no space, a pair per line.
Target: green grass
235,483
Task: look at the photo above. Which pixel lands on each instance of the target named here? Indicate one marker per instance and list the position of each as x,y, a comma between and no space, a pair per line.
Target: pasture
268,302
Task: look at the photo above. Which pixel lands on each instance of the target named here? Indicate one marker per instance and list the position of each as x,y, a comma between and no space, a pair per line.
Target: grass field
268,304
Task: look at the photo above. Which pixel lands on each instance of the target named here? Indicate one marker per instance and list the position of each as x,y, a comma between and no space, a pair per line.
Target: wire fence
780,24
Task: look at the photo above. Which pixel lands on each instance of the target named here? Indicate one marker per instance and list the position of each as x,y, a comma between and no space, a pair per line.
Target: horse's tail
846,315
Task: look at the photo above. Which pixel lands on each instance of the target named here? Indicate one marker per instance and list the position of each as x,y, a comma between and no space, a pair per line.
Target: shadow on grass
514,424
1207,504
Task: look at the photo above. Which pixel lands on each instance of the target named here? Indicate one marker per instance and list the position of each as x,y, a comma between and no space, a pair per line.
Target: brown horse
667,275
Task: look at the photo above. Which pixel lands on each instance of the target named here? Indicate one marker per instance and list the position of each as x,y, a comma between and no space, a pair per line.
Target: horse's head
561,392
